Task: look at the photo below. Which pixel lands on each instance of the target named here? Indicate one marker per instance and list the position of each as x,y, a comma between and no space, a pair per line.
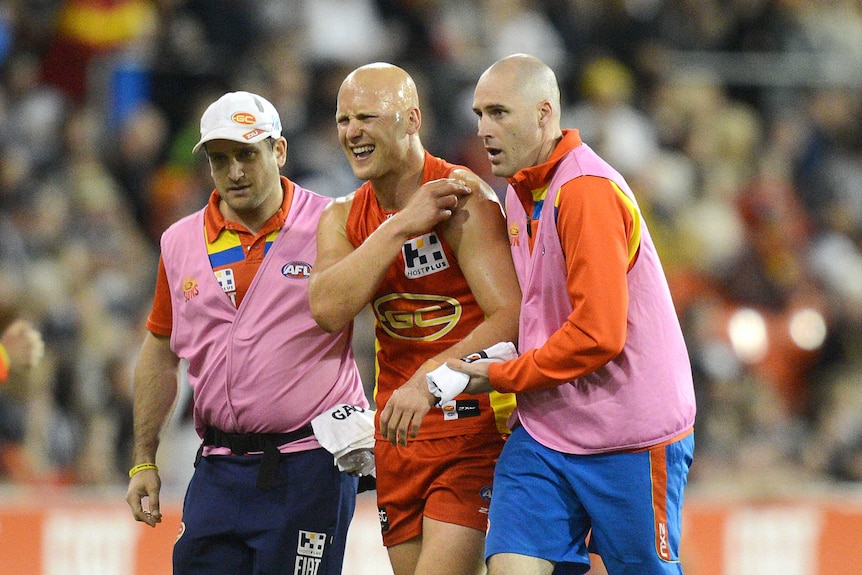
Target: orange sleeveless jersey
423,307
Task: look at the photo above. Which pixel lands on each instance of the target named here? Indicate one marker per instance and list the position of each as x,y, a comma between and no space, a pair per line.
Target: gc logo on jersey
417,317
423,256
296,270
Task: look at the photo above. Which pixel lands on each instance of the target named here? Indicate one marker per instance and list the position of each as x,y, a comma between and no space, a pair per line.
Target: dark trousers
299,525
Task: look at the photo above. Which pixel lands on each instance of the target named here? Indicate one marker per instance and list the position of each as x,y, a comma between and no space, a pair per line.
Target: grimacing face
371,128
508,125
247,175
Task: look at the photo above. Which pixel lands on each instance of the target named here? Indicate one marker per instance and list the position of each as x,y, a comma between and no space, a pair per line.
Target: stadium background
737,122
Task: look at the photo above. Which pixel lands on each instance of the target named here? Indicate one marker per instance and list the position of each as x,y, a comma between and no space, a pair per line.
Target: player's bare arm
155,391
481,246
343,278
477,234
336,290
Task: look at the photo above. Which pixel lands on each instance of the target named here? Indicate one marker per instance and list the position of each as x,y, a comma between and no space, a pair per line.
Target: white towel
347,432
445,383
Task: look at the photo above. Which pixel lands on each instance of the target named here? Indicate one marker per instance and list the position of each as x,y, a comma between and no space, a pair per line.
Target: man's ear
280,150
546,111
414,121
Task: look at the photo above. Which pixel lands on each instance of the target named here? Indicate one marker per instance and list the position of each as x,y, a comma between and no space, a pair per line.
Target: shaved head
390,85
517,101
378,119
527,78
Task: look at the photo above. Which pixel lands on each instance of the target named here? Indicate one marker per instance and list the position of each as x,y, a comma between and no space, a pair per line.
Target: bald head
378,119
527,78
517,101
390,85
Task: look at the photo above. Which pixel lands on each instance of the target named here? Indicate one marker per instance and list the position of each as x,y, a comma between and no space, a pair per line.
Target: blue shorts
546,504
297,526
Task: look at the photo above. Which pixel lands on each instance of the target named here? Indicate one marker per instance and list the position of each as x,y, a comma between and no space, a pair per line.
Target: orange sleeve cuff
519,375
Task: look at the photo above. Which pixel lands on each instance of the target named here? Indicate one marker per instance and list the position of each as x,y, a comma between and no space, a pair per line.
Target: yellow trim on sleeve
635,239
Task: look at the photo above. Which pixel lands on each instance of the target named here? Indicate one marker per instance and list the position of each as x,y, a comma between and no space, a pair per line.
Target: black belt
243,443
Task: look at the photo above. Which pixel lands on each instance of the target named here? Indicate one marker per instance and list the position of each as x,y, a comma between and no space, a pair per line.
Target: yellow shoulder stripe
635,239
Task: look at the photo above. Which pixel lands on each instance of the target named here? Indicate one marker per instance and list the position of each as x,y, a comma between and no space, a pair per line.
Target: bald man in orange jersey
424,243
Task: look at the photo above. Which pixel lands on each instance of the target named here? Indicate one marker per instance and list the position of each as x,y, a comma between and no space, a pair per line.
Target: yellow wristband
142,467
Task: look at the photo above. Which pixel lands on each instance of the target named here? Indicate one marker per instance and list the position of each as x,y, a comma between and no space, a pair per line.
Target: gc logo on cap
243,118
240,117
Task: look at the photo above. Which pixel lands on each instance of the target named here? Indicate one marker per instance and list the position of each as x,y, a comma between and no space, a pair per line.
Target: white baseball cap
241,117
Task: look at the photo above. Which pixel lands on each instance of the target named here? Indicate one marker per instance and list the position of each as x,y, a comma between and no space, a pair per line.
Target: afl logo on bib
296,270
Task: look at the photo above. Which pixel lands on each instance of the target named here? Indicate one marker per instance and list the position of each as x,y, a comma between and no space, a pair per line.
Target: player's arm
155,390
343,278
477,235
481,246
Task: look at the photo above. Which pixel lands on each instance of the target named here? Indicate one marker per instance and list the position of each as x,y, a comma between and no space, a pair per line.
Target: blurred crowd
737,122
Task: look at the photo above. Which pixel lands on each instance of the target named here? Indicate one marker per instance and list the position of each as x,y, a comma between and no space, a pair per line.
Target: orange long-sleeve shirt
599,234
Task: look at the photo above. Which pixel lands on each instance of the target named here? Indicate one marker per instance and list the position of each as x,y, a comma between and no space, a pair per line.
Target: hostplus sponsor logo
309,552
424,256
226,280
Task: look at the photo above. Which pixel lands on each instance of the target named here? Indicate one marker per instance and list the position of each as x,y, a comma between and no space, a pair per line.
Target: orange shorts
447,479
